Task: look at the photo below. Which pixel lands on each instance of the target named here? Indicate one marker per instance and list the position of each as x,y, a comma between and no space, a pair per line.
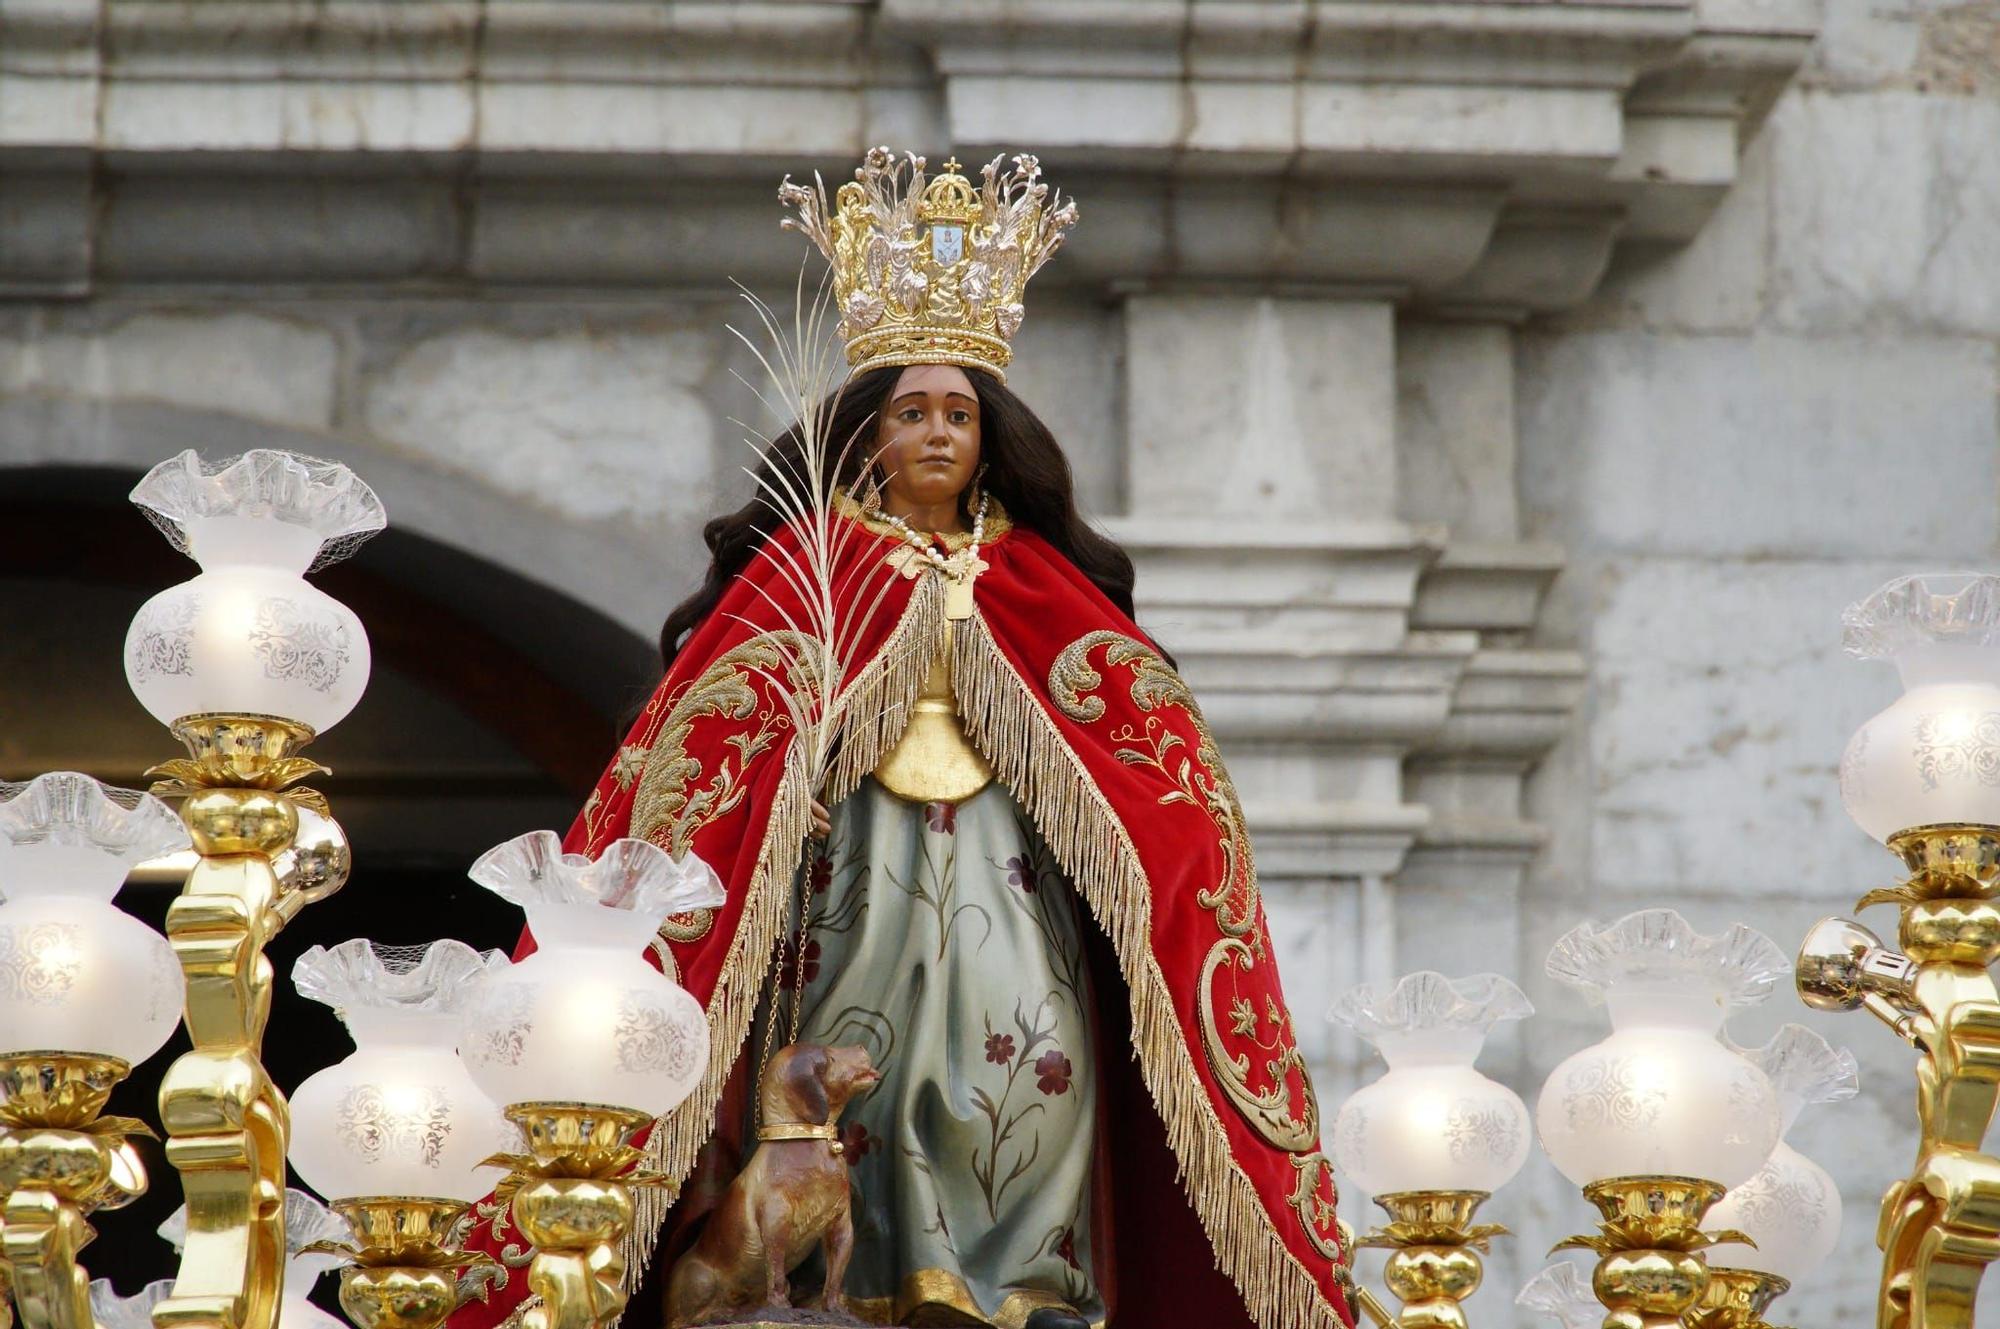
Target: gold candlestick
1940,1225
227,1125
572,1199
1650,1271
402,1270
60,1160
1736,1299
1435,1265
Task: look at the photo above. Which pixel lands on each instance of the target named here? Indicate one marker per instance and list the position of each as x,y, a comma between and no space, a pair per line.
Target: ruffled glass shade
250,635
1561,1294
1432,1122
1791,1208
112,1311
1662,1095
400,1115
1933,755
585,1017
77,973
306,1221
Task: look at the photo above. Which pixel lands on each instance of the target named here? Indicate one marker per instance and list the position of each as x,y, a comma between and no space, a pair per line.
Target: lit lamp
395,1134
588,1013
1432,1138
86,990
1923,777
1791,1208
1657,1120
245,663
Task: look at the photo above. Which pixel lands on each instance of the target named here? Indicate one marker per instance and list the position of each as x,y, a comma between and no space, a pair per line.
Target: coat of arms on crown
932,271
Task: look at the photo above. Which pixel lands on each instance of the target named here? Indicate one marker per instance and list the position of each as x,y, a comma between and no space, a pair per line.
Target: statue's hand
822,824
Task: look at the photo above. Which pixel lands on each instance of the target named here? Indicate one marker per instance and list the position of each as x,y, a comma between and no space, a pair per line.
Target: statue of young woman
1029,877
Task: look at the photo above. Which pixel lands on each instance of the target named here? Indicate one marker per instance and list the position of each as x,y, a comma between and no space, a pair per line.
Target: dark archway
494,703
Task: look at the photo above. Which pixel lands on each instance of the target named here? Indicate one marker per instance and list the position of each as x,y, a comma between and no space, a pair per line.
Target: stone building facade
1500,397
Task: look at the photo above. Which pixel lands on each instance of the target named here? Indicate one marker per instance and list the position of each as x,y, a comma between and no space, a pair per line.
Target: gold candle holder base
1650,1271
572,1199
60,1160
1434,1265
1736,1299
402,1270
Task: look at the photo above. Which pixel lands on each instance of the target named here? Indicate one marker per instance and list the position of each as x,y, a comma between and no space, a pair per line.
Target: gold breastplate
934,762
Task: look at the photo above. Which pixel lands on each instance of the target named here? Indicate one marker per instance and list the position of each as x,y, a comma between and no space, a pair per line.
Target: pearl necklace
953,566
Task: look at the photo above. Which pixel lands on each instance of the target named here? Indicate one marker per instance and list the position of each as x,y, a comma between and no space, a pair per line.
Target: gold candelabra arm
1434,1262
227,1124
59,1161
1940,1226
571,1196
402,1271
1650,1271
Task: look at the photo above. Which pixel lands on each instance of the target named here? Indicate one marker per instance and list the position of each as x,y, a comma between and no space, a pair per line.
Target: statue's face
927,438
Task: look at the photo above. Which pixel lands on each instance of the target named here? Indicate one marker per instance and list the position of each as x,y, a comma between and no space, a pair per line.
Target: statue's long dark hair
1025,470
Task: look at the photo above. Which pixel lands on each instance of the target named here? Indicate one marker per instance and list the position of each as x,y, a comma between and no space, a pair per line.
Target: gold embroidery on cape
1200,780
665,809
1314,1211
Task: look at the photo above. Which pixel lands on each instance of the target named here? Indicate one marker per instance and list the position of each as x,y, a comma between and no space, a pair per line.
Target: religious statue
1021,882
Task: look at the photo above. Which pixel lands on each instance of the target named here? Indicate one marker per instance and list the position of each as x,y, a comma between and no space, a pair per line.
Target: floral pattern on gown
944,939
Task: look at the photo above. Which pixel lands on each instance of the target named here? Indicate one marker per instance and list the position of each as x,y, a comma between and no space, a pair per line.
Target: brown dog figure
792,1196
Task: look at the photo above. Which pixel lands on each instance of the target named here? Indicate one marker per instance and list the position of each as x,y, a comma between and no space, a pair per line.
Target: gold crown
931,272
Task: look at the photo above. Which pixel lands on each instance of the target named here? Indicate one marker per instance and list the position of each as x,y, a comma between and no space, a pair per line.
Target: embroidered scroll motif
1198,779
669,807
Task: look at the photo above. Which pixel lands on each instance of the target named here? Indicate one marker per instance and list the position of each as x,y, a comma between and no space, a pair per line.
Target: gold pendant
958,592
958,599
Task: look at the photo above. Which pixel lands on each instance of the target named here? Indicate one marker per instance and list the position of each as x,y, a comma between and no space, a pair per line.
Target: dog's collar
800,1130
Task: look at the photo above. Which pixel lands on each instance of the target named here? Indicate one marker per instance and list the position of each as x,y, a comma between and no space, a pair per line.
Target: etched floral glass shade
1561,1295
1791,1208
1933,755
1662,1096
1432,1122
401,1115
585,1017
250,635
306,1221
77,973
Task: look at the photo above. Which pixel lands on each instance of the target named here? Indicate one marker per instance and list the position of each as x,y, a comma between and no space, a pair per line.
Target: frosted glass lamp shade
247,641
249,635
1432,1122
592,1024
400,1115
111,1311
1791,1209
1432,1128
78,974
586,1018
1933,755
1662,1095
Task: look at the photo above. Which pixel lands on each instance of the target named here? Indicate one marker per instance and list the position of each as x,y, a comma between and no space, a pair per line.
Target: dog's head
811,1084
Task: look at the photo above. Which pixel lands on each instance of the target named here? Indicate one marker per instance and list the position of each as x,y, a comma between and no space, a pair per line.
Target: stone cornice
1464,155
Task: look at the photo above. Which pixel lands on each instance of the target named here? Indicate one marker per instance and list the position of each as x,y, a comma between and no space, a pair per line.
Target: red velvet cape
1213,1141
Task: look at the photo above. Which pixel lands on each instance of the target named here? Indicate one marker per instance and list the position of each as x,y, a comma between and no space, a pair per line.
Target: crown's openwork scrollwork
931,270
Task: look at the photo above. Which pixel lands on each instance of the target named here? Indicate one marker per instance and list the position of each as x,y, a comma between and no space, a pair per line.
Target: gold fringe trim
1032,758
881,698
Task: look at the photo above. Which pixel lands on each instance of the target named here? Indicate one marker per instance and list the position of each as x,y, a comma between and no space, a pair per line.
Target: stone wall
1732,442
